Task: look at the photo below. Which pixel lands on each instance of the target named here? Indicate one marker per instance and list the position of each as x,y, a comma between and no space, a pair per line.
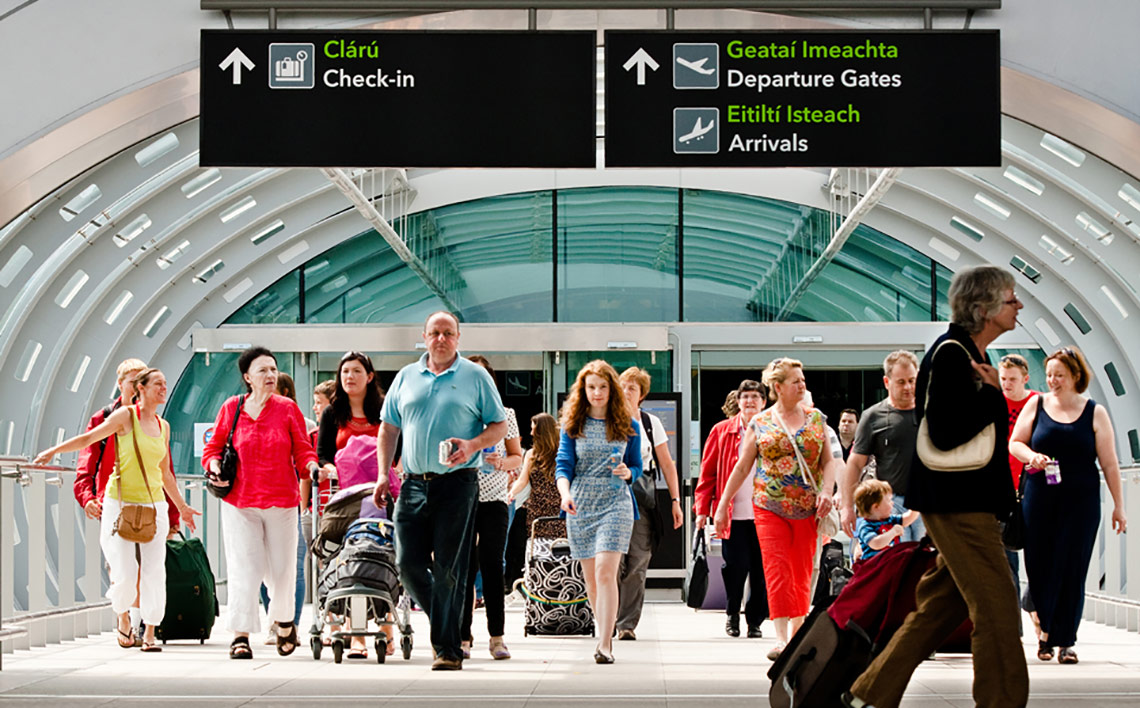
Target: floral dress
780,486
604,521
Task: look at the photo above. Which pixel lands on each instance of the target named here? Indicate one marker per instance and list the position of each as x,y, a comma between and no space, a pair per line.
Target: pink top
270,451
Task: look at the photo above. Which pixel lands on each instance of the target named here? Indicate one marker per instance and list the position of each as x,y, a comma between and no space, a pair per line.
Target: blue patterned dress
604,501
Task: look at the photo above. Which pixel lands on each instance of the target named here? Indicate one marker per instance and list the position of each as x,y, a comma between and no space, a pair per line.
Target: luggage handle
791,678
539,519
892,598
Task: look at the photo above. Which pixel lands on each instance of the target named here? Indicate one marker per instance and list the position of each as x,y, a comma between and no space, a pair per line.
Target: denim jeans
915,531
299,594
434,525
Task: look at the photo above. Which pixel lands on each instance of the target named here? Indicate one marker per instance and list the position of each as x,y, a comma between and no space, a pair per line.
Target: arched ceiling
137,269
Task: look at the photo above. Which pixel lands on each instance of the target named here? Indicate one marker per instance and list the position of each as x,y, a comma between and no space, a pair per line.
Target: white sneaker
271,638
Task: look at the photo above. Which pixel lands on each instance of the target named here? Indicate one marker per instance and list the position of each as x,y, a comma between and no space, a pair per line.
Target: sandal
287,643
357,653
1067,656
149,645
126,639
1044,651
239,648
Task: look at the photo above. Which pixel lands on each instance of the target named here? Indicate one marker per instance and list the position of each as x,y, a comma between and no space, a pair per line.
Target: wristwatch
675,499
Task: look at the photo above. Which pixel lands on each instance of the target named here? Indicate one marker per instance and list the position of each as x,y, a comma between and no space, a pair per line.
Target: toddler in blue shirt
878,527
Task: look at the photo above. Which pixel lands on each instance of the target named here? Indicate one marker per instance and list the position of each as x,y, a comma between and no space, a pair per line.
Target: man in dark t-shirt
888,431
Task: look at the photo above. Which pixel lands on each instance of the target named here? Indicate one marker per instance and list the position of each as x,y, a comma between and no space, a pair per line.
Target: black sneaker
732,626
754,632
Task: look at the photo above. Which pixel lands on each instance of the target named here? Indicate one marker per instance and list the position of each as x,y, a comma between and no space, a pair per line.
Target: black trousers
742,560
490,539
516,549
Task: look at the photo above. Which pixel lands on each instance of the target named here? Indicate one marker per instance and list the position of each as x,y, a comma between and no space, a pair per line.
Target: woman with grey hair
959,395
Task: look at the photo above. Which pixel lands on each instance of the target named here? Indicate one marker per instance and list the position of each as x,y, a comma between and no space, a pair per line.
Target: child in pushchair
359,581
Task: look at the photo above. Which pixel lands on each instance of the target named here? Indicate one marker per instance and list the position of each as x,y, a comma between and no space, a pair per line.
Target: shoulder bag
645,487
697,576
973,454
828,524
136,522
229,461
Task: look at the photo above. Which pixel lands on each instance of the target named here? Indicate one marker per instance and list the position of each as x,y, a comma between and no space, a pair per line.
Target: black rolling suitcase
191,601
555,590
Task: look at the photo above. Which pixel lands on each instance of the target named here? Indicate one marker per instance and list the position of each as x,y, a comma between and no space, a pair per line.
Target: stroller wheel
381,647
406,646
315,644
338,650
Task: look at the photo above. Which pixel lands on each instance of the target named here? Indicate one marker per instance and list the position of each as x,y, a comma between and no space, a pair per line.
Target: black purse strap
647,426
233,425
138,457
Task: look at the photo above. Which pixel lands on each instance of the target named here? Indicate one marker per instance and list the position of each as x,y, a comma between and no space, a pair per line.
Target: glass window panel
617,255
731,243
278,304
873,279
659,370
943,276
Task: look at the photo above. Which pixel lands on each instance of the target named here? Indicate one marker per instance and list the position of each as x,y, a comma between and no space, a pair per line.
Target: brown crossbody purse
137,523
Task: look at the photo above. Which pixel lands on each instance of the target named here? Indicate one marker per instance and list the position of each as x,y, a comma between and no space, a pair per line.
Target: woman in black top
959,394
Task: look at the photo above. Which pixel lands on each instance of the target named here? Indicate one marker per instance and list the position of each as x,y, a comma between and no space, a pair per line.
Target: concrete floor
681,658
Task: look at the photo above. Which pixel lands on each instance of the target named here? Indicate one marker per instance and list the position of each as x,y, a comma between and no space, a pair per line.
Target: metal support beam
368,210
884,181
450,5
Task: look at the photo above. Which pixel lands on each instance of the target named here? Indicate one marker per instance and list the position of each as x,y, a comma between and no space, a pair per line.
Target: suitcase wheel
381,647
406,646
338,650
316,646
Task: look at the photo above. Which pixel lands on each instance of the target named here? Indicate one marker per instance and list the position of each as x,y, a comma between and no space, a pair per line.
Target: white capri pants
261,546
124,567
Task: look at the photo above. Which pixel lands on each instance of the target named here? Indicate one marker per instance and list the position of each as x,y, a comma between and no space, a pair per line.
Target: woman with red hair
599,456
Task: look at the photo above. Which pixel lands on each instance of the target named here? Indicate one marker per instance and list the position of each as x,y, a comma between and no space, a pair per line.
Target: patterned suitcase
555,590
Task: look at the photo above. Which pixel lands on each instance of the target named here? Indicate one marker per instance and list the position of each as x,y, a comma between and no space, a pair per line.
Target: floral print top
779,484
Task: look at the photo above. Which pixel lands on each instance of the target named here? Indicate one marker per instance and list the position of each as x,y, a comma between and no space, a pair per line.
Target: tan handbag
973,454
137,523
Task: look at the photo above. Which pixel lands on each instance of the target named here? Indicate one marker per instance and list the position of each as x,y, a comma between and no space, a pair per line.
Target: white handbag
973,454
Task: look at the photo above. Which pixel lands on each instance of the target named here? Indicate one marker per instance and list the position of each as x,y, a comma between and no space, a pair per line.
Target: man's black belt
429,476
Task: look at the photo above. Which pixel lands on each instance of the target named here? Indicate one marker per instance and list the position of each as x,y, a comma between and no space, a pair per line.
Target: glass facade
611,254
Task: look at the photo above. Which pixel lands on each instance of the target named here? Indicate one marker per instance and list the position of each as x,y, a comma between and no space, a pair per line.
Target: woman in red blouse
259,517
355,410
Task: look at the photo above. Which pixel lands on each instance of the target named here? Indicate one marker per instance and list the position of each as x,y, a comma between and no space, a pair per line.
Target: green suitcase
191,602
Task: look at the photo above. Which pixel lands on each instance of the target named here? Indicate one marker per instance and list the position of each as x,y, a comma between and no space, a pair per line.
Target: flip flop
357,653
126,639
150,646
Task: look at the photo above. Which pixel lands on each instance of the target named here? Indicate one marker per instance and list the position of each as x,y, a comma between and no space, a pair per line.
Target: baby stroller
356,542
556,602
358,584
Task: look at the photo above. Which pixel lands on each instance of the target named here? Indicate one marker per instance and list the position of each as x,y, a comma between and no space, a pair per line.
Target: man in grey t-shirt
888,431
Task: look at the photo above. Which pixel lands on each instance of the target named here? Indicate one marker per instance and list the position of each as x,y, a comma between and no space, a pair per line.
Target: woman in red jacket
740,546
259,517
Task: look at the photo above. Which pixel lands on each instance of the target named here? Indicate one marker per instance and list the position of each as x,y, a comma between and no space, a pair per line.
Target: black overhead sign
398,99
794,99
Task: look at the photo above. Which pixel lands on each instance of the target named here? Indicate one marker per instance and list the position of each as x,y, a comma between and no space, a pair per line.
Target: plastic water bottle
487,468
1052,472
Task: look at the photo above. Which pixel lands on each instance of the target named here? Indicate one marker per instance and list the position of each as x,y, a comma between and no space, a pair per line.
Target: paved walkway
681,658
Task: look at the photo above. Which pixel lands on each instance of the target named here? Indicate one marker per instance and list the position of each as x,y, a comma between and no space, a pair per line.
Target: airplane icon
698,130
697,66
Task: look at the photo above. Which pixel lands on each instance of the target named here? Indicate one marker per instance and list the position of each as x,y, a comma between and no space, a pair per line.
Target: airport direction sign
802,99
398,99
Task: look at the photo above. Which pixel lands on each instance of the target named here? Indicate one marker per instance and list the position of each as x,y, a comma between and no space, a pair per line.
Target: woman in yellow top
132,484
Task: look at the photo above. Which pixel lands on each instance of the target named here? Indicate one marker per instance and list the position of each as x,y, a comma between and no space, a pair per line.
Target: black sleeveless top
1073,445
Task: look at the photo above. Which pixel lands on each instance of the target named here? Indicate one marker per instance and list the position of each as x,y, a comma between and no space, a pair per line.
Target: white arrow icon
640,59
237,59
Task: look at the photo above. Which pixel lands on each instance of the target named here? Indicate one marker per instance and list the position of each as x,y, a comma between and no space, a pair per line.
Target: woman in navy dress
1062,519
599,456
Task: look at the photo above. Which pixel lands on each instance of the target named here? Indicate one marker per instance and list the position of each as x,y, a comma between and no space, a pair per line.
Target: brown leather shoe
443,663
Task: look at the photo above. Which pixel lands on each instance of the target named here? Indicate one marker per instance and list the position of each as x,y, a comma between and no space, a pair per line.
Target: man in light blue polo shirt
443,397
